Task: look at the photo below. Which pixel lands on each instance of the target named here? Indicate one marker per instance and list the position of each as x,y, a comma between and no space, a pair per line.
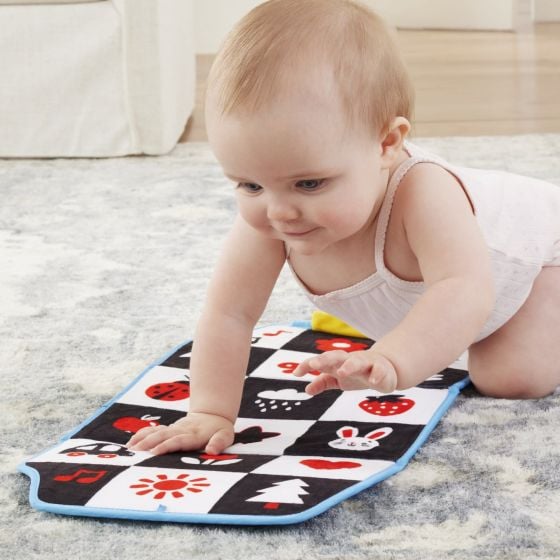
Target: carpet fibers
104,264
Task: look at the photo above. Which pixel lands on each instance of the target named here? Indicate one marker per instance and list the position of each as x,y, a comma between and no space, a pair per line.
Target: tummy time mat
294,456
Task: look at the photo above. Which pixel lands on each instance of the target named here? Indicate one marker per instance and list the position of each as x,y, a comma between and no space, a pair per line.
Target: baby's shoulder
428,187
426,182
424,174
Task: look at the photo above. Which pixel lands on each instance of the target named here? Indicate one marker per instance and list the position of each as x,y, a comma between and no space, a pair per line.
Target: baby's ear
392,141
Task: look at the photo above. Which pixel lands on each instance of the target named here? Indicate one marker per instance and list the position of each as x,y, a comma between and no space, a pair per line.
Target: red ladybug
131,424
387,405
172,391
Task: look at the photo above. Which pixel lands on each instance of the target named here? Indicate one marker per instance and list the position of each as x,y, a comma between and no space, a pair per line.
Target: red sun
174,486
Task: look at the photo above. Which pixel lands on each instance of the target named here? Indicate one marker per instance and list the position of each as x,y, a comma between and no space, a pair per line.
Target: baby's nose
282,211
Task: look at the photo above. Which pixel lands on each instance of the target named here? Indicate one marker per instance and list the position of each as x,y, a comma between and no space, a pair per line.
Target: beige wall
446,14
547,10
214,18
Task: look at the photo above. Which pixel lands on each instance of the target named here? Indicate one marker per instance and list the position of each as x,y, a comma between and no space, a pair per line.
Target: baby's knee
508,384
509,374
511,391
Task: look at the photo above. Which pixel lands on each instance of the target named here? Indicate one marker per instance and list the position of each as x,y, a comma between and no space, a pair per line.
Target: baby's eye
251,188
310,184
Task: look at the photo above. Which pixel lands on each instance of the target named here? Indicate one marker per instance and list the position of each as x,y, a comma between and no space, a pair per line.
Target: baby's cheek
253,215
345,222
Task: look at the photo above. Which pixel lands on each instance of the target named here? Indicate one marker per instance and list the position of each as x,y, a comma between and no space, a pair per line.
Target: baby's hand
196,431
365,369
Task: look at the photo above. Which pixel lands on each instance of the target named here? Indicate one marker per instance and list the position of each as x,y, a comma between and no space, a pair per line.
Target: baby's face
301,176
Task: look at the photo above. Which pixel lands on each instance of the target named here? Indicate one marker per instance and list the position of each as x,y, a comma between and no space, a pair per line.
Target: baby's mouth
301,233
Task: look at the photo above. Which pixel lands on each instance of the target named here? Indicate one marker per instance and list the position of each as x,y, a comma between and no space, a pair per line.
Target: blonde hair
257,58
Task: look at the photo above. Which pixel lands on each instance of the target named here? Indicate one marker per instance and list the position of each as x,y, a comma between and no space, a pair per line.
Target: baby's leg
522,358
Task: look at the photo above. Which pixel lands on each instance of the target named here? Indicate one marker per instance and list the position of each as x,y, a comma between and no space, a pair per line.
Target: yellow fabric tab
321,321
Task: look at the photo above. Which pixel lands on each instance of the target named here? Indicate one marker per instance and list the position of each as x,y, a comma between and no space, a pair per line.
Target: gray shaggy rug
104,264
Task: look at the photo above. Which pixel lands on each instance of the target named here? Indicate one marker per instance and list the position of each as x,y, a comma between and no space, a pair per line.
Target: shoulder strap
387,206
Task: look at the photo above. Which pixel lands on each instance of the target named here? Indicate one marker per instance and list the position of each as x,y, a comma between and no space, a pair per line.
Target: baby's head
283,48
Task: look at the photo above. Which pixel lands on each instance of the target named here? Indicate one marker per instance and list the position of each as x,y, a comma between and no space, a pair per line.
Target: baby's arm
454,262
443,234
240,287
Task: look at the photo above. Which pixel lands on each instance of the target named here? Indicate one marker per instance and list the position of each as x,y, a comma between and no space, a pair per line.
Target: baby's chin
307,248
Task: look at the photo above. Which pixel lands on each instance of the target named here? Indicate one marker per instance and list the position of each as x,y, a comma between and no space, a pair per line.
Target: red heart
217,457
329,465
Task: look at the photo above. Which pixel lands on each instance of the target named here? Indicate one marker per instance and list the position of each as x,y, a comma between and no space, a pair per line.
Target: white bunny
351,441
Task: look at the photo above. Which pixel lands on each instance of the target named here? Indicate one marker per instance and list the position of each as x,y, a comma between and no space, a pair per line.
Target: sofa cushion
95,79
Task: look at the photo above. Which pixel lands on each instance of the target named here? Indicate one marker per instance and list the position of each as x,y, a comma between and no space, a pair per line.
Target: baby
308,108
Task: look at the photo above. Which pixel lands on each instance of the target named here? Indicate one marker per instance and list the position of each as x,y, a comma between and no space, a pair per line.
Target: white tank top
520,220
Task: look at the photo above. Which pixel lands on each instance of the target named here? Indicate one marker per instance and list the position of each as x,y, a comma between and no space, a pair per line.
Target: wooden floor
467,83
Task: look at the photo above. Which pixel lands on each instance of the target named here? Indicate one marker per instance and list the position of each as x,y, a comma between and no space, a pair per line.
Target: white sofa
94,78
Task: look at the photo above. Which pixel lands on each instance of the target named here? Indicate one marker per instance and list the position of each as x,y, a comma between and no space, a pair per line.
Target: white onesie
520,220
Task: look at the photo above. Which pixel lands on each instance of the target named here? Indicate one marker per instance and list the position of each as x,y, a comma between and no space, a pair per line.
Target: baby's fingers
142,434
219,441
323,383
383,377
328,362
305,367
150,439
185,441
355,365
